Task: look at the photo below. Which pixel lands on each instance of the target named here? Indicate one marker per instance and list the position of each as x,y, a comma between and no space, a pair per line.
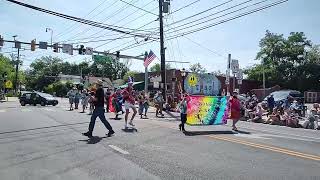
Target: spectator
274,118
271,103
257,115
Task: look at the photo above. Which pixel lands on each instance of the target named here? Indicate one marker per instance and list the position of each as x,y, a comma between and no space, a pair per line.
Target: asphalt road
46,143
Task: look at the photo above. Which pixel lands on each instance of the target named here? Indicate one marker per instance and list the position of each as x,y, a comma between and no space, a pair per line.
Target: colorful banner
202,84
207,110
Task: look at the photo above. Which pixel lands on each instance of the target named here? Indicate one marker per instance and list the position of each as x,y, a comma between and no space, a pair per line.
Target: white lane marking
2,110
118,149
26,110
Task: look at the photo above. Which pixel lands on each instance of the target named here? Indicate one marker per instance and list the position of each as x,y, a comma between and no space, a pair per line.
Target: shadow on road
130,130
93,140
199,133
47,127
242,132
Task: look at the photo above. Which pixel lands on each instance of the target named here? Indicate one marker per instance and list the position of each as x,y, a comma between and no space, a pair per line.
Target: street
46,143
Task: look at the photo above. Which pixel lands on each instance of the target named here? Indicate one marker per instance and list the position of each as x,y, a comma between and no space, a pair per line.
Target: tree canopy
197,68
157,67
291,62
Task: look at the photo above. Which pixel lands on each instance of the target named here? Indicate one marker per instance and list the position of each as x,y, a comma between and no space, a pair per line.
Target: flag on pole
151,56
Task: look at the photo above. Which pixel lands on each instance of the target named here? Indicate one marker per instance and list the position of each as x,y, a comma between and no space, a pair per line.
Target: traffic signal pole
162,51
17,71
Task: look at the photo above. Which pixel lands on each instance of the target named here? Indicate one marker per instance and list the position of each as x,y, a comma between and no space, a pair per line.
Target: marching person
183,112
107,96
129,101
98,101
77,99
71,95
84,99
117,102
158,100
235,108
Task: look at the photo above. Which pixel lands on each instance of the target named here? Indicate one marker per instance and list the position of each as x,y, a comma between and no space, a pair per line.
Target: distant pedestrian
77,99
183,112
90,101
98,101
107,96
84,99
158,101
129,103
235,108
71,95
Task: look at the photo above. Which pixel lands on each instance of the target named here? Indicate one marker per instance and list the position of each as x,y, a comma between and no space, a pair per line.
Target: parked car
35,98
281,96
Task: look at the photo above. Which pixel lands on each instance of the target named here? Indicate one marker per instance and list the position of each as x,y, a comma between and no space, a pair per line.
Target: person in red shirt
129,102
235,107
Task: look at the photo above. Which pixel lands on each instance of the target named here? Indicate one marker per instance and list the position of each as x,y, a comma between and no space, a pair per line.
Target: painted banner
202,84
207,110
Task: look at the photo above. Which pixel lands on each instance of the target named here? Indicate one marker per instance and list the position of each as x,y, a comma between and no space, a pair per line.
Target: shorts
128,105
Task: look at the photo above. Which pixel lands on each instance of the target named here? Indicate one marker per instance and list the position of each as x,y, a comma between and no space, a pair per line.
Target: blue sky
239,37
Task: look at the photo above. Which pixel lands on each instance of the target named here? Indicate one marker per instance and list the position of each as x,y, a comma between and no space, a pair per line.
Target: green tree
130,73
157,67
287,61
197,68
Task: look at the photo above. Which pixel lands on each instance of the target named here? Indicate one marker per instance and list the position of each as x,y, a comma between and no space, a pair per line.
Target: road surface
46,143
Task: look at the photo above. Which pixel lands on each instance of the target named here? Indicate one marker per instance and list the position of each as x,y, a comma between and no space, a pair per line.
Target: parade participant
98,101
183,112
107,96
129,101
77,99
235,110
146,104
141,100
116,99
84,99
71,95
158,100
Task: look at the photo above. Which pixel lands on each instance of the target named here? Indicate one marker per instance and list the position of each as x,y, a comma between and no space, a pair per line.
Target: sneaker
110,133
88,134
125,126
130,123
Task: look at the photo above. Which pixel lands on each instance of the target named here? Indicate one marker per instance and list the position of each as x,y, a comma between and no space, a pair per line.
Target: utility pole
162,51
17,65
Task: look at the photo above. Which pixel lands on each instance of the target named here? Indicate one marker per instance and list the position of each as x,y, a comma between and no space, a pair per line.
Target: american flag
151,56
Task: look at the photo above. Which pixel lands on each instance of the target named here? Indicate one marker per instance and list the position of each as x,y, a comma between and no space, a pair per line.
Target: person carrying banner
235,108
129,101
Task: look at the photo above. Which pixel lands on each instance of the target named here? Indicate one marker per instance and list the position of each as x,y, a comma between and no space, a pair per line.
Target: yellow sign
9,84
193,80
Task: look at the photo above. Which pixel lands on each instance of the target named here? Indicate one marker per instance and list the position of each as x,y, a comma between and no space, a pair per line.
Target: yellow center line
267,147
256,145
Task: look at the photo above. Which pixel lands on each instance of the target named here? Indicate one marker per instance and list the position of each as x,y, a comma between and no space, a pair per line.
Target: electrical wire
229,19
208,20
139,8
117,12
92,23
74,24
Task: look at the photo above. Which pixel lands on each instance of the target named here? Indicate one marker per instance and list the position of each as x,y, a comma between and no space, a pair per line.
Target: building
312,97
174,81
72,78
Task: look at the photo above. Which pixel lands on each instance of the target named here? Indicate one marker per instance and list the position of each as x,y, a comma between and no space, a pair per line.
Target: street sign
17,44
67,48
240,74
89,51
234,66
8,84
43,45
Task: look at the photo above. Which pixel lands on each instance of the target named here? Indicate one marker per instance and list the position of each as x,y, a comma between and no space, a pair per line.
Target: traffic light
55,47
33,45
118,54
82,50
1,41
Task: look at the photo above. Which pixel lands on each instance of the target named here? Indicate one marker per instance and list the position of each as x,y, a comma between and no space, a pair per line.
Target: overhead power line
229,19
117,12
92,23
185,6
74,24
198,22
139,8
